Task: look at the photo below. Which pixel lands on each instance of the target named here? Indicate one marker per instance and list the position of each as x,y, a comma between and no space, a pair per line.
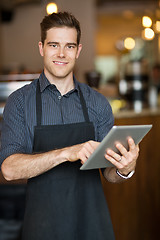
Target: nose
61,52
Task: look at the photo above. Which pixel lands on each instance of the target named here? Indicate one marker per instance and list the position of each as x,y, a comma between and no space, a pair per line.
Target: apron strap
83,103
39,105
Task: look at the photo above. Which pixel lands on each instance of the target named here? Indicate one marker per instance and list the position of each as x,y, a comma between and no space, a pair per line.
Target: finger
123,151
87,149
114,155
83,155
115,162
131,144
133,149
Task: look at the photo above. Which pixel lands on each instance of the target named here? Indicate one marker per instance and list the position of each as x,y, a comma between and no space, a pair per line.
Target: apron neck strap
39,105
83,103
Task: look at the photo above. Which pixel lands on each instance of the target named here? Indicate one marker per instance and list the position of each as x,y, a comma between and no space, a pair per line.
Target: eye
53,45
71,46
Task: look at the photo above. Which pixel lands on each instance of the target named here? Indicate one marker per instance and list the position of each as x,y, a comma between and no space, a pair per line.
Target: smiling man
50,128
60,51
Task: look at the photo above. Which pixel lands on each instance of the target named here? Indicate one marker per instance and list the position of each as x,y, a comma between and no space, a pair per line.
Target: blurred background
120,59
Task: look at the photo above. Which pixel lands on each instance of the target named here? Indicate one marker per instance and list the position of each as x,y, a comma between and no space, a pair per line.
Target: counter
132,114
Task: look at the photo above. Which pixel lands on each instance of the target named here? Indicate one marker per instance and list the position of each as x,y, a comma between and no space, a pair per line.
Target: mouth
59,63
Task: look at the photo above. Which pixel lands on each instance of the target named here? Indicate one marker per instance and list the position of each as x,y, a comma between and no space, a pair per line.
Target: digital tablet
117,133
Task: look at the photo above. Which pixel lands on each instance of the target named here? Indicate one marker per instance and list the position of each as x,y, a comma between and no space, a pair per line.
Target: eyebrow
74,44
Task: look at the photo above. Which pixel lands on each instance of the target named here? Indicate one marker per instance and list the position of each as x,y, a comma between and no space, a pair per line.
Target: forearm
25,166
111,175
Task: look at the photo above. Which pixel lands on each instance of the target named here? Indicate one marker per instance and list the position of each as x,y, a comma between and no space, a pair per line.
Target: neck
63,85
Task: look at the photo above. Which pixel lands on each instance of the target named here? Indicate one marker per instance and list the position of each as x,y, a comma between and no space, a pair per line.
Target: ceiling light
148,34
129,43
146,21
51,8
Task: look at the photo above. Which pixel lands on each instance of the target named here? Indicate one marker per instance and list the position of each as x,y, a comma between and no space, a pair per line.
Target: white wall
19,38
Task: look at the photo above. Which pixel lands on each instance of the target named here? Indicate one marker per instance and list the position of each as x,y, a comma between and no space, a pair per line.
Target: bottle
153,97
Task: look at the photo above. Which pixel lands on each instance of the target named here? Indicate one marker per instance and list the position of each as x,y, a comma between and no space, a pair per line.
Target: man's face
60,51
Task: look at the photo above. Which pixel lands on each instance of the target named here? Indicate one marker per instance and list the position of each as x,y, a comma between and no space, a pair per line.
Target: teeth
60,63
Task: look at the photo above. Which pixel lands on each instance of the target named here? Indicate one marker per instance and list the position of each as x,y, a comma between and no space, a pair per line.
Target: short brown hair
60,19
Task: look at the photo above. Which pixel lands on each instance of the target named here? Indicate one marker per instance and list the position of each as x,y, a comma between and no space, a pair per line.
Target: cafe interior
121,60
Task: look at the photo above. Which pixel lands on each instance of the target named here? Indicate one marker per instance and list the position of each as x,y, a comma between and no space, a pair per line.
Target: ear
79,50
40,44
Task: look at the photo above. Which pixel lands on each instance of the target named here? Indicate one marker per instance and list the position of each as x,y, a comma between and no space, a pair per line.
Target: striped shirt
19,117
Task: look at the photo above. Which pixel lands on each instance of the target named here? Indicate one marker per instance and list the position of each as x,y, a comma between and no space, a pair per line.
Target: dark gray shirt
19,117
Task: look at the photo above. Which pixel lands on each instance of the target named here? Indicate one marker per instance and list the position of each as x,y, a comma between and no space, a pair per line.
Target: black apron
65,203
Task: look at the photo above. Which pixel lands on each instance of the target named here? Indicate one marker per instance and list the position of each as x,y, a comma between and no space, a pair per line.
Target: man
50,128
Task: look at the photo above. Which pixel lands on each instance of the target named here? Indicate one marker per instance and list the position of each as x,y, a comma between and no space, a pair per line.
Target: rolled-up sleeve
13,127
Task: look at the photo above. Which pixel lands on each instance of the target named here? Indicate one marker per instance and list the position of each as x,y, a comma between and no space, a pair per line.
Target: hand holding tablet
117,133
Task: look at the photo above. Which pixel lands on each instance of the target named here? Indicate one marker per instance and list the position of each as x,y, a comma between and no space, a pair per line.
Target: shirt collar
44,83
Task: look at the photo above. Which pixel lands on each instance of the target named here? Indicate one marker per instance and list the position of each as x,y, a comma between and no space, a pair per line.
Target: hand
81,151
126,162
